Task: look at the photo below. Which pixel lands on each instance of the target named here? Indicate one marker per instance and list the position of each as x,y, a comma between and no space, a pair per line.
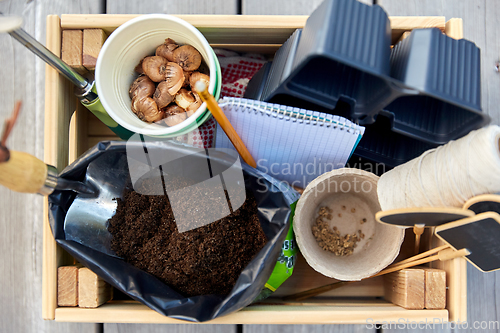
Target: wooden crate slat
347,312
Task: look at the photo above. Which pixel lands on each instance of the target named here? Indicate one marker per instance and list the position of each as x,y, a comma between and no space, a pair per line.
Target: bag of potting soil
137,163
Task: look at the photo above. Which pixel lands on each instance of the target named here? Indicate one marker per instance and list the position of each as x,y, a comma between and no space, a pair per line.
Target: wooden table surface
21,214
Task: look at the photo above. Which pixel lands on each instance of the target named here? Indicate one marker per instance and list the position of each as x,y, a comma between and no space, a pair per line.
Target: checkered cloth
237,70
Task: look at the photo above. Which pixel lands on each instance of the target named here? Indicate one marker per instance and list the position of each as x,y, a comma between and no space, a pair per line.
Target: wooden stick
221,118
422,255
418,230
445,254
316,291
9,124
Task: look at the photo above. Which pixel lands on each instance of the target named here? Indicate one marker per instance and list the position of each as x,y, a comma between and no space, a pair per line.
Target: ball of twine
446,176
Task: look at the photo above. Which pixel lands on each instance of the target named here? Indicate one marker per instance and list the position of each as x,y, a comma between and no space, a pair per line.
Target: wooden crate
70,129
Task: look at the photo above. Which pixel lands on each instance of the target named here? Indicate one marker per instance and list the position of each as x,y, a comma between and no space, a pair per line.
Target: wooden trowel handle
23,173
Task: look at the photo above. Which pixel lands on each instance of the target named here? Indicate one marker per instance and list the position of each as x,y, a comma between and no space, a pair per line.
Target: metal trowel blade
87,217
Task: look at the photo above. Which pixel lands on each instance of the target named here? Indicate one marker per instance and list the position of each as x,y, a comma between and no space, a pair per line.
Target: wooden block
454,28
93,39
92,290
67,286
435,288
72,49
405,288
403,36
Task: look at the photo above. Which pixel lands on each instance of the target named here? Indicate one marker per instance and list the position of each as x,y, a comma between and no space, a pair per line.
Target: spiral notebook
291,144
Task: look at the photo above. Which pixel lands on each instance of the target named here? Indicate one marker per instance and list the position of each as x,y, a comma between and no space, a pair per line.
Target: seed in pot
330,239
184,98
353,210
197,76
174,115
142,87
161,96
138,68
187,57
166,77
146,109
187,76
195,105
166,50
323,211
155,67
174,77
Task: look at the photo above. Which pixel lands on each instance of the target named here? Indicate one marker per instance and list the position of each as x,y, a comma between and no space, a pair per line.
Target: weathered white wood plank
481,20
172,7
21,218
307,328
181,328
416,327
282,7
483,300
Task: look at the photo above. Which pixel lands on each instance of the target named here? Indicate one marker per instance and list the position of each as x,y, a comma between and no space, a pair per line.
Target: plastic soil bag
138,160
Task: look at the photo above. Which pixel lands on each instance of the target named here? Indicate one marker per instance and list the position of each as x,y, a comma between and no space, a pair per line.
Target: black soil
202,261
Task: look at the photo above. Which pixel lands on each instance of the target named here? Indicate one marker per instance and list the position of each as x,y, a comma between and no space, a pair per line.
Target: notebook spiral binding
288,113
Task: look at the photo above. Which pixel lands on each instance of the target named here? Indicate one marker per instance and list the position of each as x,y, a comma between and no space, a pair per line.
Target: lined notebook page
290,144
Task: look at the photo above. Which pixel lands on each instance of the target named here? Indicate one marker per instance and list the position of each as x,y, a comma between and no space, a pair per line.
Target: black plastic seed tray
428,86
343,53
447,75
380,144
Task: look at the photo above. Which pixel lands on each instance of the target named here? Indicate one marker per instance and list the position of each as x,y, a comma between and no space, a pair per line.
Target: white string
435,176
448,175
447,159
420,174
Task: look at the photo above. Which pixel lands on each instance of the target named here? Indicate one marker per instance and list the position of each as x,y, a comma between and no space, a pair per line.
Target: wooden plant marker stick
430,216
483,203
92,290
422,255
418,230
445,254
480,234
421,217
316,291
